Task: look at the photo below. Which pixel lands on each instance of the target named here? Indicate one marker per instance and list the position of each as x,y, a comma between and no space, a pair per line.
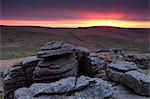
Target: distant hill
17,41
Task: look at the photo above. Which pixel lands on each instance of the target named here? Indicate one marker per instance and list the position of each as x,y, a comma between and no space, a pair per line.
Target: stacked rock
20,75
59,61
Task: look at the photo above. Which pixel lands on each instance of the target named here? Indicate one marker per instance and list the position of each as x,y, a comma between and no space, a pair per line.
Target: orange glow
79,23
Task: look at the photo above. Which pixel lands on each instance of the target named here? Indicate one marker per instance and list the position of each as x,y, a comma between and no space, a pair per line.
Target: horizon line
75,27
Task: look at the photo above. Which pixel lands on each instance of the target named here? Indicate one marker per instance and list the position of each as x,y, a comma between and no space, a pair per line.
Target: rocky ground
64,71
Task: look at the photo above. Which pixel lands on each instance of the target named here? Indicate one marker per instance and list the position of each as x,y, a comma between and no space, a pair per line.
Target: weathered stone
82,52
97,91
28,61
53,49
122,66
52,45
21,92
142,61
121,92
52,78
90,65
55,69
138,82
92,88
68,88
113,75
61,86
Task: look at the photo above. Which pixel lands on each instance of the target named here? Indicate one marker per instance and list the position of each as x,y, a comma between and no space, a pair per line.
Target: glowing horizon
78,23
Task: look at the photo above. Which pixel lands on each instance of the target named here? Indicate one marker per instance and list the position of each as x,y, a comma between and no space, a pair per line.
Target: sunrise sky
76,13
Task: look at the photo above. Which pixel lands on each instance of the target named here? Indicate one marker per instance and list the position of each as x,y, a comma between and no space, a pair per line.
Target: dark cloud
72,9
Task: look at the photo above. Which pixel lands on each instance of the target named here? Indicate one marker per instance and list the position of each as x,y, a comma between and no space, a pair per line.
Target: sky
76,13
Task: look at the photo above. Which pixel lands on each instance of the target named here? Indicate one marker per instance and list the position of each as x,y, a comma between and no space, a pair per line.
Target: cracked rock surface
71,88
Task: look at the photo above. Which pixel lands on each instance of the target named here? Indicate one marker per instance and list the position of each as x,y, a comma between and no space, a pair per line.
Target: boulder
137,81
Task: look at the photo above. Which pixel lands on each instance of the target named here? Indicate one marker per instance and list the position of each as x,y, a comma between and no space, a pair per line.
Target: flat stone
61,86
27,60
53,49
122,66
52,45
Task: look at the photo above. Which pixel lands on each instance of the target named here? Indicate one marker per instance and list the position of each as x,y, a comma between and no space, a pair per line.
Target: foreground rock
70,88
117,68
59,61
20,75
138,82
126,73
121,92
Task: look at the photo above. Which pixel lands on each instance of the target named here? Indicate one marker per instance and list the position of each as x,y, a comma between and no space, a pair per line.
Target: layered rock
68,88
59,61
17,76
14,79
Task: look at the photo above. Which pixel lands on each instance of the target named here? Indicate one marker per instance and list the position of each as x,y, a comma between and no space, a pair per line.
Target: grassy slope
25,41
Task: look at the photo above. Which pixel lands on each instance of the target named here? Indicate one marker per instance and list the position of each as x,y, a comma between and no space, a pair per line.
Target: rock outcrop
71,87
55,73
58,61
